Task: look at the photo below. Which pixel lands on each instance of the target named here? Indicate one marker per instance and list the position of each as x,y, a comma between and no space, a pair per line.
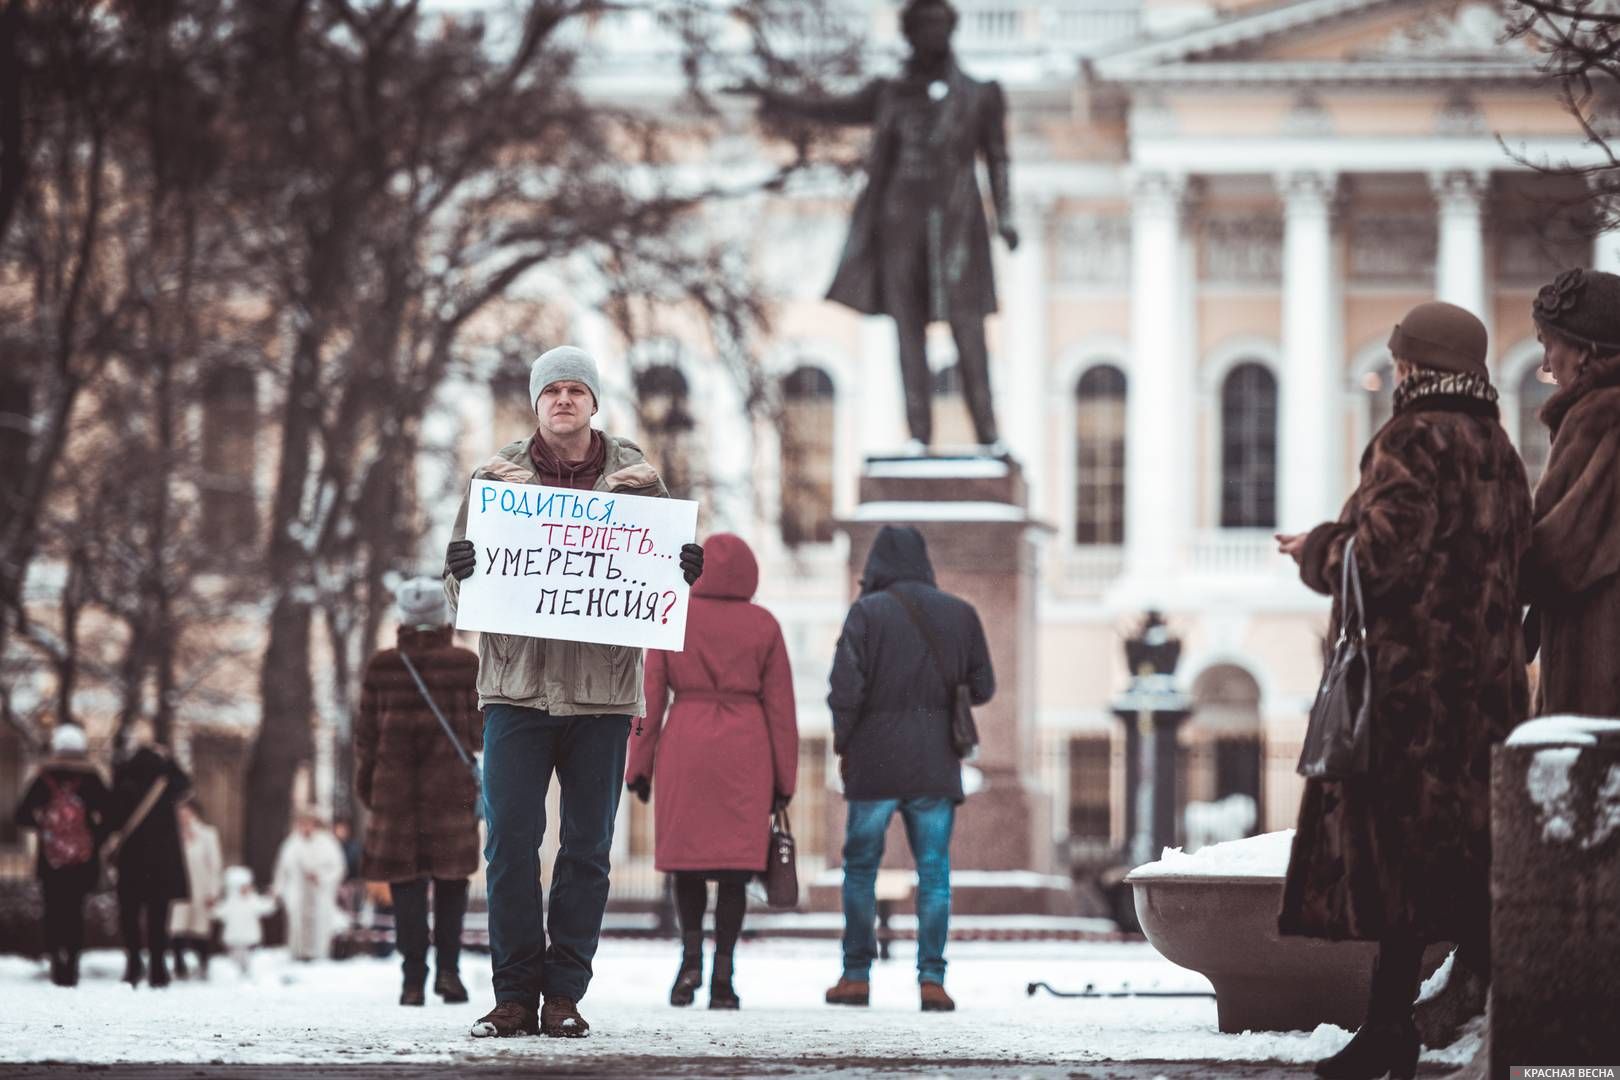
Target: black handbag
1338,740
964,732
782,865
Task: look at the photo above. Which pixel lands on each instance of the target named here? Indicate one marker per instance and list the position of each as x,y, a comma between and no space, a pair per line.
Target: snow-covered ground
333,1013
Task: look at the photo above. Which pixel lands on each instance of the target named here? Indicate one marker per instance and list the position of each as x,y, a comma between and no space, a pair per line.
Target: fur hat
1443,337
565,363
420,601
1584,306
67,740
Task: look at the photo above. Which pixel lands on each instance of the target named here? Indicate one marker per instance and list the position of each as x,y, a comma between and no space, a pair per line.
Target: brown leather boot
505,1020
935,999
560,1019
850,992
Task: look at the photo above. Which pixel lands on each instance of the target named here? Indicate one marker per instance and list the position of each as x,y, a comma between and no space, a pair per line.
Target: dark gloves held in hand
780,802
691,563
641,786
460,558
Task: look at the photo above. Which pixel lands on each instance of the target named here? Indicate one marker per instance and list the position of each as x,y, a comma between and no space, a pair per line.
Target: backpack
64,828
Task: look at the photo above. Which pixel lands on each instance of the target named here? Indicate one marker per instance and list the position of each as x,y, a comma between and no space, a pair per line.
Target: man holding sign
567,568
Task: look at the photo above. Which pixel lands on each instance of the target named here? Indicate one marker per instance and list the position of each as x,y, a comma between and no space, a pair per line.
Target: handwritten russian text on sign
577,565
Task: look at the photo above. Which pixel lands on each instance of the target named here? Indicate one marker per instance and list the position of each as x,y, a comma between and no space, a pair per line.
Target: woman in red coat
723,756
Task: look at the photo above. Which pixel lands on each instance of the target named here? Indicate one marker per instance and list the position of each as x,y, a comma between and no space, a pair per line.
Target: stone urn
1215,912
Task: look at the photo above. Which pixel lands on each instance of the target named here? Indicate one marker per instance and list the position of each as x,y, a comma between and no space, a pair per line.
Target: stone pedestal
1555,890
974,514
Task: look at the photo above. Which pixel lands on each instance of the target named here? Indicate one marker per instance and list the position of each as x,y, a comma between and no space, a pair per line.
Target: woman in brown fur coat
421,794
1572,577
1441,521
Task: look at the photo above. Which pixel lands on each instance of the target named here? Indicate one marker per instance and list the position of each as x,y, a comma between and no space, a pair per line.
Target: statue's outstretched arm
857,108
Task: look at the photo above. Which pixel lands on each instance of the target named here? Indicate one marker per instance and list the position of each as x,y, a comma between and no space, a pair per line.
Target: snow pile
1564,731
1547,780
345,1013
1264,856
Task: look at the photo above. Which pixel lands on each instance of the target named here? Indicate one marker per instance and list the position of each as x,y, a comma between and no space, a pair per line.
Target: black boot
59,968
413,992
1380,1048
448,985
690,977
160,972
721,994
134,969
181,971
1387,1043
72,961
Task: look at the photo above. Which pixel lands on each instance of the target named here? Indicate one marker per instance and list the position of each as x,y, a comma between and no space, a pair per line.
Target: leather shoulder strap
915,614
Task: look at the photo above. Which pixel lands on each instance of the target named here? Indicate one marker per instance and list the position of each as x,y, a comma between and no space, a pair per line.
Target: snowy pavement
334,1014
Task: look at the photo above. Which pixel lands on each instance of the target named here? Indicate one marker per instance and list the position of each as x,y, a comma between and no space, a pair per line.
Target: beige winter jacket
564,678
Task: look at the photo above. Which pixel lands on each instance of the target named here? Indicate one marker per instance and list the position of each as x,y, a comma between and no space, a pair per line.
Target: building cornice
1336,72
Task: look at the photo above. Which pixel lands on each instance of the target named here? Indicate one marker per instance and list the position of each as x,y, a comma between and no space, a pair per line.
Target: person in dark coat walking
919,242
723,757
891,711
1441,524
68,803
1572,577
147,786
422,794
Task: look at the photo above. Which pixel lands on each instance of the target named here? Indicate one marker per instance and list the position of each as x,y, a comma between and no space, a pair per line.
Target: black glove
691,562
460,559
641,785
780,802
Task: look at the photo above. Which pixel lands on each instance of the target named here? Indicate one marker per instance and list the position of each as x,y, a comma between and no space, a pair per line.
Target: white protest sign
577,565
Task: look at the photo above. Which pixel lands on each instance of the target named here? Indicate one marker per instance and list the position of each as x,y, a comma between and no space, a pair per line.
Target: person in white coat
309,869
189,921
240,913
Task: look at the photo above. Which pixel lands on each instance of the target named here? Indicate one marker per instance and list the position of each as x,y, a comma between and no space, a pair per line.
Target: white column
1460,276
1157,487
1024,371
1311,429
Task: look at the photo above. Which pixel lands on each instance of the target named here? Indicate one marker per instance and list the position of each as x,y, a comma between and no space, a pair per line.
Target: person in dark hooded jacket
891,705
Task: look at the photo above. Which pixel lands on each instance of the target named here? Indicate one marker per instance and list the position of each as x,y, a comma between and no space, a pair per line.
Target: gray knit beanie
564,363
420,602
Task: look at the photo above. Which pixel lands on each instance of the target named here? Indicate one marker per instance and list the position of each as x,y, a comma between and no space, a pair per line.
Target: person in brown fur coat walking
419,782
1572,578
1441,523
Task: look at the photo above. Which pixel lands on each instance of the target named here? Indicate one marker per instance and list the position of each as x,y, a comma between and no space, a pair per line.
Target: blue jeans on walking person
928,829
522,749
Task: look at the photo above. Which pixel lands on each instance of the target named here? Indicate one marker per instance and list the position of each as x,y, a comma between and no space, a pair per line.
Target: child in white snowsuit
239,914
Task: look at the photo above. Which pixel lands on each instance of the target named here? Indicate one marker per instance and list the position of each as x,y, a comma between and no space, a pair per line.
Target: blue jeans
928,830
522,748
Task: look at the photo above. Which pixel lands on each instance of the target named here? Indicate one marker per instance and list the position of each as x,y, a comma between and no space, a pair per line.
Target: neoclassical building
1225,208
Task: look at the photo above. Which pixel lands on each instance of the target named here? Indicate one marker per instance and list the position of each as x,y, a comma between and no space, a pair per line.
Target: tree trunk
285,740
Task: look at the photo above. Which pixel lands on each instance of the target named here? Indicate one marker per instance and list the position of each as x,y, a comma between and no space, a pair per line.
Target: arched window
1099,447
1249,448
1534,390
809,427
662,403
230,439
1378,387
1225,755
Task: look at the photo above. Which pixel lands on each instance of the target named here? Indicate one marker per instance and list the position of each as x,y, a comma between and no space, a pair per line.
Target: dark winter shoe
412,994
134,969
505,1020
160,973
447,984
935,999
560,1019
690,976
71,960
1379,1048
181,971
59,969
850,992
721,995
1440,1019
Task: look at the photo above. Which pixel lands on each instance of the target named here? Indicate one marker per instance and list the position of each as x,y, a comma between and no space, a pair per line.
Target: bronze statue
919,243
